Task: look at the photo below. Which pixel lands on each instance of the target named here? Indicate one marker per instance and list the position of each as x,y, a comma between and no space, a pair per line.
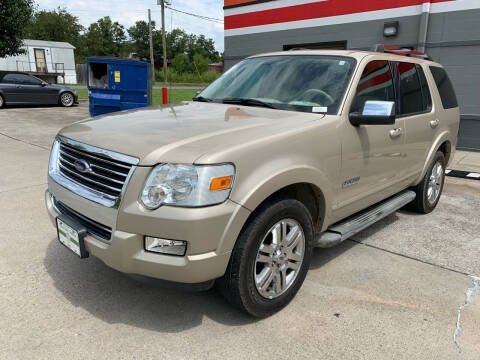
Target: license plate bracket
72,235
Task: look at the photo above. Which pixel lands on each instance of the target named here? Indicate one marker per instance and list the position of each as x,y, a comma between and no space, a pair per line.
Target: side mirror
43,84
375,113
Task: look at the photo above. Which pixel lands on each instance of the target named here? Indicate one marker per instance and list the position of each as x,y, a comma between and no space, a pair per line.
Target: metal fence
32,66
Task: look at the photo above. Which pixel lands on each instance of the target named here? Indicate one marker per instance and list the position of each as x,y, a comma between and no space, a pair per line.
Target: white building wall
53,55
67,58
10,63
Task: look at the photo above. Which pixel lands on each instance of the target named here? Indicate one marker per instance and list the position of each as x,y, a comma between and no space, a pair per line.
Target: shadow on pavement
115,298
36,106
322,257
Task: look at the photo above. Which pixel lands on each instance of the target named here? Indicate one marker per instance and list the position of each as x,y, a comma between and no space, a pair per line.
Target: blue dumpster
118,84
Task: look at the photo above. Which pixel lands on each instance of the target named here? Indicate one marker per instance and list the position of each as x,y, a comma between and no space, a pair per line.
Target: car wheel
431,187
2,101
67,99
270,259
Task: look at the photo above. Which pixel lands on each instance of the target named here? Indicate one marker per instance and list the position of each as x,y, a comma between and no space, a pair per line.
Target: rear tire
67,99
430,189
2,102
261,278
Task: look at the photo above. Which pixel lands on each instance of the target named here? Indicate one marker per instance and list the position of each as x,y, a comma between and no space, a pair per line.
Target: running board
343,230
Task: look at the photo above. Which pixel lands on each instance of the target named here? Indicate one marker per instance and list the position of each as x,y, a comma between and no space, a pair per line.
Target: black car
17,88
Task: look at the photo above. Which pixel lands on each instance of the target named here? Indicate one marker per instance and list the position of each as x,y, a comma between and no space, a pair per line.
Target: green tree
182,64
201,63
205,47
14,18
140,39
105,38
56,25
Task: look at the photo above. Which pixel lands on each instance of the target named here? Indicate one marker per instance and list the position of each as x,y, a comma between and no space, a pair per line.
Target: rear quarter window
445,87
411,94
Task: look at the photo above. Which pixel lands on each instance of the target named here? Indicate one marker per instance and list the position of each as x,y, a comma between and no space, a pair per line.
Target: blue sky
127,12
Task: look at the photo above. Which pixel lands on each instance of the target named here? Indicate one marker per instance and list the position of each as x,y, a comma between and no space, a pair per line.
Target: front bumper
210,232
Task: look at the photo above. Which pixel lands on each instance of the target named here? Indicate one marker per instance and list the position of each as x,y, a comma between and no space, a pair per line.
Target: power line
218,21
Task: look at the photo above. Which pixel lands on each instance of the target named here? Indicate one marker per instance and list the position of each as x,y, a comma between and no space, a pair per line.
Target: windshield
289,82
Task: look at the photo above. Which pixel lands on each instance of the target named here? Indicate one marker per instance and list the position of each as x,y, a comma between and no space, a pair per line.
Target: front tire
67,99
431,187
2,102
270,259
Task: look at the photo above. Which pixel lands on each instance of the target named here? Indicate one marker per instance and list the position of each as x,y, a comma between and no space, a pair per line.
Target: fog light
164,246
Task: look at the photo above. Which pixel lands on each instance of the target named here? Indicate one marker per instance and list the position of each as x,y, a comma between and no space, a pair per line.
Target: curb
463,174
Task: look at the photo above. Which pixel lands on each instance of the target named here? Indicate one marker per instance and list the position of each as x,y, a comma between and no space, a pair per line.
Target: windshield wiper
244,101
201,99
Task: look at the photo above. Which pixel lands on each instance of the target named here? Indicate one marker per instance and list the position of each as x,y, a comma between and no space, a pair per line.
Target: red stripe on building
316,10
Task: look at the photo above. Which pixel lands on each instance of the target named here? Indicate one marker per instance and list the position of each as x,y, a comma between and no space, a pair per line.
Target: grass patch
174,95
82,94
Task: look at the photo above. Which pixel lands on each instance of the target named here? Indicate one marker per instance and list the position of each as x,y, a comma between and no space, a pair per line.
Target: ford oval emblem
82,166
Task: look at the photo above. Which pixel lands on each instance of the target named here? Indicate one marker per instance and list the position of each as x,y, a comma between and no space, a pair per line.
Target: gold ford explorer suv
284,152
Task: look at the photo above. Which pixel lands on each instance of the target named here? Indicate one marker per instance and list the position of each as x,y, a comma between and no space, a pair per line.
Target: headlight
187,185
54,154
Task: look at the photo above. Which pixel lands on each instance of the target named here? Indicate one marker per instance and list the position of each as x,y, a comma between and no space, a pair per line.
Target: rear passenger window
427,98
376,83
445,87
411,98
12,79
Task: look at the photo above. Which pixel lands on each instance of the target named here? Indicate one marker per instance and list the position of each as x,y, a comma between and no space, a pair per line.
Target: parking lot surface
403,289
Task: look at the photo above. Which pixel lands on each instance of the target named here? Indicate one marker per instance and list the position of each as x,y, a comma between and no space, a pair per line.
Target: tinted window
411,98
445,88
376,83
427,98
12,79
21,79
31,80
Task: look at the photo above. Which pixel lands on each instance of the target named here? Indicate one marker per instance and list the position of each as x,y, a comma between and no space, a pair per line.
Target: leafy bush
189,77
181,64
200,63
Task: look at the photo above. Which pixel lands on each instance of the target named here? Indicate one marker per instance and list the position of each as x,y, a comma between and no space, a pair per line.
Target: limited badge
351,182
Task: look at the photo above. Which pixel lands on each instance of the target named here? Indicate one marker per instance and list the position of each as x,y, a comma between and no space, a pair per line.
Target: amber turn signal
221,183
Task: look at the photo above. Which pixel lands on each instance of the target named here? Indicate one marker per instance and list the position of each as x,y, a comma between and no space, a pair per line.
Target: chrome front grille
96,174
102,175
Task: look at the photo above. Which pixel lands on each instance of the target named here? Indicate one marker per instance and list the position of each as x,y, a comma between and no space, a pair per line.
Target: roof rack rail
390,49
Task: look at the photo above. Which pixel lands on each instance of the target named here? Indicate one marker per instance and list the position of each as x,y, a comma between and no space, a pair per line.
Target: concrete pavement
466,161
399,290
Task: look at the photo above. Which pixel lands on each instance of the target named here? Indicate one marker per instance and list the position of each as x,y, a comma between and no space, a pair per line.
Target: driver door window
376,83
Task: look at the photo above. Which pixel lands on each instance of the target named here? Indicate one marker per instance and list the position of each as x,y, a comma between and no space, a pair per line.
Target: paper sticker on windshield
341,62
319,109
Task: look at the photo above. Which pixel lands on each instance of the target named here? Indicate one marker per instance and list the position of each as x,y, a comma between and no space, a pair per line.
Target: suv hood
184,132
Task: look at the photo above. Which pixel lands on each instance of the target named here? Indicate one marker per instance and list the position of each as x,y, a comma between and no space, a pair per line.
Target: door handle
395,133
434,123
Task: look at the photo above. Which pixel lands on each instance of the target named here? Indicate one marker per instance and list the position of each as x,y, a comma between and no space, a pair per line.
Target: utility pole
150,37
164,43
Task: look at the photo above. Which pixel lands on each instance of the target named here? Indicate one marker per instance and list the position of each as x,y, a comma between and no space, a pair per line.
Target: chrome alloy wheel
1,101
279,258
435,183
67,99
